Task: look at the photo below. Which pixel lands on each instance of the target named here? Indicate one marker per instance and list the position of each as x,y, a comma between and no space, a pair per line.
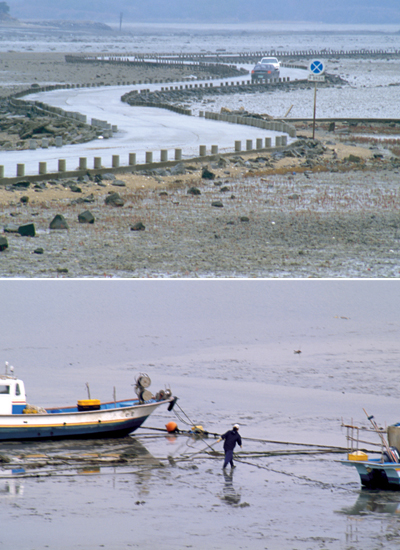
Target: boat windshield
4,389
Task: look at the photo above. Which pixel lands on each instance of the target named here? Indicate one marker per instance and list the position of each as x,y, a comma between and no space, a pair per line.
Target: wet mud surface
177,494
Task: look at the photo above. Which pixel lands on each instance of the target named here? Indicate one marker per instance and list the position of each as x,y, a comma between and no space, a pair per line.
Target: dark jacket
230,439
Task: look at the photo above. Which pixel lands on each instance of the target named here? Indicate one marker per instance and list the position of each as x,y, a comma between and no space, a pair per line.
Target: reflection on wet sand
11,488
82,457
230,494
387,502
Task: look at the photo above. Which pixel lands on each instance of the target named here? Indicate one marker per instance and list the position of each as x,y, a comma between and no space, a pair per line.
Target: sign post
317,69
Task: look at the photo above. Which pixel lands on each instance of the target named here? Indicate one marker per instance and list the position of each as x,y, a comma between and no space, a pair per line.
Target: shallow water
227,350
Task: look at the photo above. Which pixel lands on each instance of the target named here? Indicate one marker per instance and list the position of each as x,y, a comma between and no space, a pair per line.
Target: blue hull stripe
95,429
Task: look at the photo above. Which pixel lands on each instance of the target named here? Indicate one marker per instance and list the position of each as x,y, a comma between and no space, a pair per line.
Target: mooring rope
190,423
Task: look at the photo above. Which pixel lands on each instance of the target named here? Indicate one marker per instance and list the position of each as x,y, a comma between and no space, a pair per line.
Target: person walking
230,438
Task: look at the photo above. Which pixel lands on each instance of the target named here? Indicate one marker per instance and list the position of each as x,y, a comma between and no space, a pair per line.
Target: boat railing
354,441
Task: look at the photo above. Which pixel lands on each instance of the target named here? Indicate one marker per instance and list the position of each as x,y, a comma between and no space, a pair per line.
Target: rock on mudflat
178,170
194,191
139,226
114,200
75,188
217,204
90,198
58,222
207,175
3,243
11,228
85,217
21,184
27,230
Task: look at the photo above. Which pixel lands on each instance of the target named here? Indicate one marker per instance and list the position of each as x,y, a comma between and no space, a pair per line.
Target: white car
271,61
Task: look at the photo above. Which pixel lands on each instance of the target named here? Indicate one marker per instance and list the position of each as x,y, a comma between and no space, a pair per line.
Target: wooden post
315,109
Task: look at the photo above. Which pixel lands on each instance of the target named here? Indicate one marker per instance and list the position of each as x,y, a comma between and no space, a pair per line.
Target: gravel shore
262,215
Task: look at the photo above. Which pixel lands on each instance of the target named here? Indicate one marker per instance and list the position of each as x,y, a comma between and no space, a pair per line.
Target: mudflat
19,70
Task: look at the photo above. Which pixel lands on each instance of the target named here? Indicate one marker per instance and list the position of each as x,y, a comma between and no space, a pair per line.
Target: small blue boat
88,418
381,473
375,474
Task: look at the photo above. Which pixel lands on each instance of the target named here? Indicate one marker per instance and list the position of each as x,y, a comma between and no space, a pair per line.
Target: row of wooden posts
260,143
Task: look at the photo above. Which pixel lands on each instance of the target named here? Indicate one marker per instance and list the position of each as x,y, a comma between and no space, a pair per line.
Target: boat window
17,390
4,389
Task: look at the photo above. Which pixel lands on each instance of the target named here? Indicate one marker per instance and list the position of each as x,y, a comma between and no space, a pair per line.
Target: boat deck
103,406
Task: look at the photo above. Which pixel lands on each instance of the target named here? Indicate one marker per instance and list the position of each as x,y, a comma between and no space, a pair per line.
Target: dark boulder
114,200
21,184
108,176
139,226
194,191
86,217
75,188
89,199
27,230
58,222
206,174
217,204
3,243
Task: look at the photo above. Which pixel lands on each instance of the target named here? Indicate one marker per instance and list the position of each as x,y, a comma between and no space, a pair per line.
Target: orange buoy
171,427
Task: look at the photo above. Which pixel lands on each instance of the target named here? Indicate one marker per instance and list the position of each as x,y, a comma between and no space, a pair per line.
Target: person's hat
236,426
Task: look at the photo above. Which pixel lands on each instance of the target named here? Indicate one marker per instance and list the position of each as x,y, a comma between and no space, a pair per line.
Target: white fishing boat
88,418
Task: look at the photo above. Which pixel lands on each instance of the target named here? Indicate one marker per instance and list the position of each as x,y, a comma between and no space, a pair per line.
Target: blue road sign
317,66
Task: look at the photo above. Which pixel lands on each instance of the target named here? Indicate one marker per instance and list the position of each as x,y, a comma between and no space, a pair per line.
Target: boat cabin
12,395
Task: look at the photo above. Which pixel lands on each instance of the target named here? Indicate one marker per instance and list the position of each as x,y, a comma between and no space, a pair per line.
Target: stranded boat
89,418
376,473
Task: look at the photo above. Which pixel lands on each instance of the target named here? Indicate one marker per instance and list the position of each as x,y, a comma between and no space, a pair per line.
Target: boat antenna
6,367
88,389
